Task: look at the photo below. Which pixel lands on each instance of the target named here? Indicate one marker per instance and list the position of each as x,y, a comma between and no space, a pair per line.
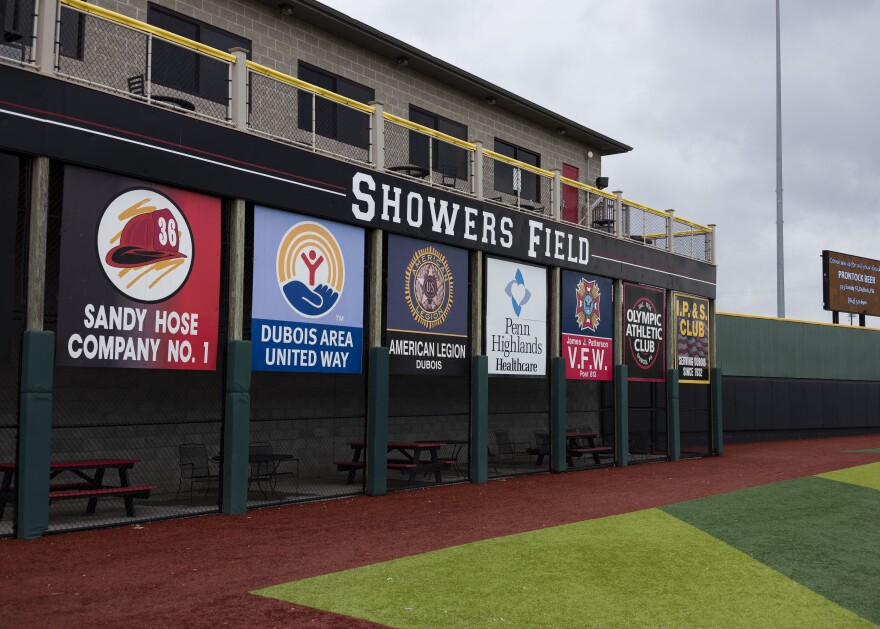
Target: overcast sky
691,86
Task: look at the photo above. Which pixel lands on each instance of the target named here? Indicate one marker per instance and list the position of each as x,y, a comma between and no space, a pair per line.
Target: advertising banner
427,308
850,283
644,344
140,274
308,294
516,318
587,326
691,338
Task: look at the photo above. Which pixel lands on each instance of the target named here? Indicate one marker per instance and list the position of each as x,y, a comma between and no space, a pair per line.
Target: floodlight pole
780,258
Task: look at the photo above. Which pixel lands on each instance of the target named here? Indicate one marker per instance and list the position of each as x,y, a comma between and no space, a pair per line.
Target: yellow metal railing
107,14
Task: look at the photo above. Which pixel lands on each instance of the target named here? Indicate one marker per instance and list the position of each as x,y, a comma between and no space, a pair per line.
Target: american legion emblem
587,305
429,287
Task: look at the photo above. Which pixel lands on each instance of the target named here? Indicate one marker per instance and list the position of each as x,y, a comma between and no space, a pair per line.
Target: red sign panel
140,274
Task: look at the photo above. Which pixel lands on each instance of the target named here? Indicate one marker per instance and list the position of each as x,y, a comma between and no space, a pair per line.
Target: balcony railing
109,51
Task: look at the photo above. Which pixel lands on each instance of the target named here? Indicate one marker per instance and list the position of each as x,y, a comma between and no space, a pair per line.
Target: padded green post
34,434
674,410
377,422
479,419
558,414
717,423
621,416
237,427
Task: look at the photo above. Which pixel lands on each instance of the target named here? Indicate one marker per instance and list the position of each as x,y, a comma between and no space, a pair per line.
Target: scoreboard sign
850,283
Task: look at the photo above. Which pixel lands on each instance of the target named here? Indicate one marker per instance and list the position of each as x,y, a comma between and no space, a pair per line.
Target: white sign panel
516,318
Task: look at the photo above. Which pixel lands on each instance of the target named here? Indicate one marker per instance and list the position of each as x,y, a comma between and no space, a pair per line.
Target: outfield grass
863,475
643,569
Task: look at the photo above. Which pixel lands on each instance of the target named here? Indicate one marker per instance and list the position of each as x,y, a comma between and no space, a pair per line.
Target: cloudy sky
691,85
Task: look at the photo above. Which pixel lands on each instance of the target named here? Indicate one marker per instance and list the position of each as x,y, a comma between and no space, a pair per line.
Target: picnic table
576,448
410,460
89,483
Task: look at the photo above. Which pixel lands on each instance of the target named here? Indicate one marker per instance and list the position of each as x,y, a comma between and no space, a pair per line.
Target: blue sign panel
587,326
308,294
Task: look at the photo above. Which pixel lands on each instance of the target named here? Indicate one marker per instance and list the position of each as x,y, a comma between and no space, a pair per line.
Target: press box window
333,120
447,159
188,71
17,22
517,181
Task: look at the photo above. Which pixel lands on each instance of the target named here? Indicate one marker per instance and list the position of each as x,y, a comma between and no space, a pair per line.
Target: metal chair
542,446
509,448
136,84
194,467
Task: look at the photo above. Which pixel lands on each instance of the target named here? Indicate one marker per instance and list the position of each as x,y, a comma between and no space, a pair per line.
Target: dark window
333,120
188,71
17,21
512,180
447,159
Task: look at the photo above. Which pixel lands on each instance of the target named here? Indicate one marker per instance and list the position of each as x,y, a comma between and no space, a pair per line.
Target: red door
569,195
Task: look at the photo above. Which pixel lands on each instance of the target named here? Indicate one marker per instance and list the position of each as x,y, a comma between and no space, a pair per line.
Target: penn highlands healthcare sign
516,318
140,274
850,283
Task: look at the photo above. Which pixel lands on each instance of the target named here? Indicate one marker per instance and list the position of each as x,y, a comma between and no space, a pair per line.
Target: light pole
780,258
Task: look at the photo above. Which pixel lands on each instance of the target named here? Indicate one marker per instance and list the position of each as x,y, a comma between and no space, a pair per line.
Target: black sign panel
644,342
8,217
427,308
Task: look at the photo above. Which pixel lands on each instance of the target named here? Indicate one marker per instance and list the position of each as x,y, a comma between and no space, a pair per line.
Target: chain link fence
644,226
648,438
695,420
17,28
420,155
590,411
151,428
588,209
510,185
116,57
691,241
286,112
519,426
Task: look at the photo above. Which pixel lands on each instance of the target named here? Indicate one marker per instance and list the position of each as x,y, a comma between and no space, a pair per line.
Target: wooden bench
128,494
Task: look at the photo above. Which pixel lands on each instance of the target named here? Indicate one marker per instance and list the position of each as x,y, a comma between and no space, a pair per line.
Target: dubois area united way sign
140,274
308,295
644,345
587,326
516,318
427,314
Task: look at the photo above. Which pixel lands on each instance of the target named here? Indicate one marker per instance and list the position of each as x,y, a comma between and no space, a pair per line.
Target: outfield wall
792,379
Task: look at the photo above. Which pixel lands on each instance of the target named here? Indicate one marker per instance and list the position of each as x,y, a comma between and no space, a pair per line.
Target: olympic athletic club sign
140,274
426,291
644,341
308,294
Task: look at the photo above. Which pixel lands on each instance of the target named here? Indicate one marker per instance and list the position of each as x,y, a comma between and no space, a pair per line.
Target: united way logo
145,245
517,292
587,305
311,269
429,287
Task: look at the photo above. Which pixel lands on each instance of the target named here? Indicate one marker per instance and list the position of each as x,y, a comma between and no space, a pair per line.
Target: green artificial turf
643,569
863,475
821,533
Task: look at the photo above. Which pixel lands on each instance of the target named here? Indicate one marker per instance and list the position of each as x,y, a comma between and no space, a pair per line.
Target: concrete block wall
281,42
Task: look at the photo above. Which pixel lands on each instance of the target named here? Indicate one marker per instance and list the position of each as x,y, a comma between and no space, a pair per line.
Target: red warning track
198,572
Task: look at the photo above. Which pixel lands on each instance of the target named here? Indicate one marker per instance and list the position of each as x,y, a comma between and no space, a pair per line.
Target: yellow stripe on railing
409,124
646,208
518,164
286,78
147,28
696,226
587,187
